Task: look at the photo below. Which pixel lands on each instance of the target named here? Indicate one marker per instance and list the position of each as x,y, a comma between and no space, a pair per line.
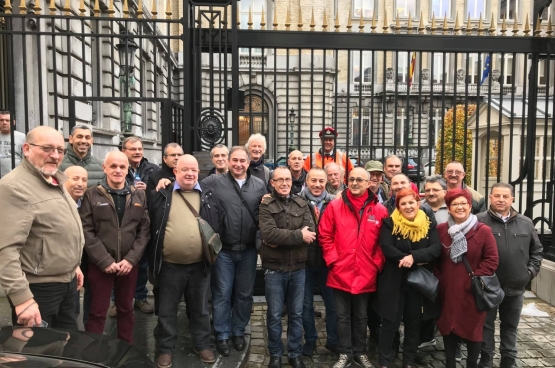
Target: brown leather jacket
105,240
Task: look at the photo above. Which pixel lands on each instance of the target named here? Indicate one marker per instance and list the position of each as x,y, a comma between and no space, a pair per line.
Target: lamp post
126,50
292,116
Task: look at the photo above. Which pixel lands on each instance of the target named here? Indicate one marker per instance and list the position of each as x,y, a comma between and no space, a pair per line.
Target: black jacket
165,173
145,170
226,213
392,280
261,172
519,249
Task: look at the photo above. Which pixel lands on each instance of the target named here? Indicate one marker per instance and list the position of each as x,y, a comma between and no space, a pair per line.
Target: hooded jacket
90,163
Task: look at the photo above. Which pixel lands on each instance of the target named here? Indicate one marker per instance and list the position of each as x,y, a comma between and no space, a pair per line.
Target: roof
520,106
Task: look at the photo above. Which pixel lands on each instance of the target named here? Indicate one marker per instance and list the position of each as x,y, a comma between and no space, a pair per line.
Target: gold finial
37,8
468,25
325,22
385,26
67,8
8,7
515,26
300,23
168,9
96,8
263,20
409,24
457,28
421,27
434,26
52,7
337,25
111,10
445,26
538,30
312,22
140,9
82,9
275,23
125,9
349,21
397,23
504,25
22,7
249,21
373,26
480,25
527,27
154,9
549,27
361,23
288,20
492,25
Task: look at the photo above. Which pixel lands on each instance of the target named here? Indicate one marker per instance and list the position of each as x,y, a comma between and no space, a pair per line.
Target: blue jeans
279,284
318,275
234,271
141,291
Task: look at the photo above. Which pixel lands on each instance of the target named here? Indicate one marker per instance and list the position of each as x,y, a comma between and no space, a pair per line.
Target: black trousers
509,316
56,301
352,319
473,350
410,312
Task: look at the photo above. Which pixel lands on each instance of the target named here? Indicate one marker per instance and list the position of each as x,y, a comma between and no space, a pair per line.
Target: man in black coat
172,153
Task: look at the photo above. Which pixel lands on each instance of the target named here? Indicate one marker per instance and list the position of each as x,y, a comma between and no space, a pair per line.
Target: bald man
117,230
178,266
42,238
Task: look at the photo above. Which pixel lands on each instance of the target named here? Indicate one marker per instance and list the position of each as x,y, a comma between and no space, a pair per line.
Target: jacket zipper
111,201
158,235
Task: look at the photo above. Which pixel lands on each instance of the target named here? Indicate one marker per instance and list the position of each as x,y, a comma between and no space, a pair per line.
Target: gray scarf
457,233
317,201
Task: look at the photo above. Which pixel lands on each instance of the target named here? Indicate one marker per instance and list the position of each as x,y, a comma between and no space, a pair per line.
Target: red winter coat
350,248
458,309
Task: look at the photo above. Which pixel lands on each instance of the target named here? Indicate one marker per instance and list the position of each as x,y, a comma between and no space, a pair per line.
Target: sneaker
144,306
458,354
485,361
113,312
343,361
432,342
164,361
362,360
206,355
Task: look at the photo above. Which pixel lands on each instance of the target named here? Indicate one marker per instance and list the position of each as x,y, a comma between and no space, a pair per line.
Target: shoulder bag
486,289
211,243
423,281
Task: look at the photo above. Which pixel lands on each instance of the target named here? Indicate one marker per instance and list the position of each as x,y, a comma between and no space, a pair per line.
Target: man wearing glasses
40,250
454,175
348,234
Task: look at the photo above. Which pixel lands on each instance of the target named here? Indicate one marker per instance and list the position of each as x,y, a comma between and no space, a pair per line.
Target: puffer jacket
90,163
281,223
519,249
350,246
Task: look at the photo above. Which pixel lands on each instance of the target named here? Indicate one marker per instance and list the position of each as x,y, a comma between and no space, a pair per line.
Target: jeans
318,275
234,271
509,316
351,322
451,342
141,291
174,280
56,302
101,284
410,312
279,284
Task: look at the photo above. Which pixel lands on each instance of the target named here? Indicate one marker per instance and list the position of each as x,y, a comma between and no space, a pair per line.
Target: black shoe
238,342
309,347
332,348
296,362
419,357
317,313
485,361
508,362
223,347
275,362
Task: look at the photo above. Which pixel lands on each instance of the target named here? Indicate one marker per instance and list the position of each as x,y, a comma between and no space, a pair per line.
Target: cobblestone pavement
536,342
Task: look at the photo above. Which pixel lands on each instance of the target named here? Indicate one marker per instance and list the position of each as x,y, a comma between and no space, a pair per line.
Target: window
475,70
475,8
366,66
546,12
404,7
361,133
509,9
364,7
543,72
438,69
505,67
403,67
256,6
254,118
440,8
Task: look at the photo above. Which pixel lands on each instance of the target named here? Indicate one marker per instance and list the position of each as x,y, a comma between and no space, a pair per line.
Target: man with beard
454,177
316,270
336,175
376,184
256,146
328,153
40,250
79,153
172,153
219,155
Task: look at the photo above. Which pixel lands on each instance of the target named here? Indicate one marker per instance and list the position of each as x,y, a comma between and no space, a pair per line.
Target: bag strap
238,191
195,213
468,268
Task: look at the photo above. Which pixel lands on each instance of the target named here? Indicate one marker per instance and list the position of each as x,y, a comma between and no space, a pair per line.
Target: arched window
254,119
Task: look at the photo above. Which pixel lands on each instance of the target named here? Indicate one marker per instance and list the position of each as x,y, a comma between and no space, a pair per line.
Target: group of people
356,232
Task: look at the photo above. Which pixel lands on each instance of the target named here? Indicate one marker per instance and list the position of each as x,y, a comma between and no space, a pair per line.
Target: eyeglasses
358,180
281,180
174,155
49,149
456,172
462,204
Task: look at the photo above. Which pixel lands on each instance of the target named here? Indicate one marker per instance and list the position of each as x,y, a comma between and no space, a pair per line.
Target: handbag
211,243
423,281
258,238
486,289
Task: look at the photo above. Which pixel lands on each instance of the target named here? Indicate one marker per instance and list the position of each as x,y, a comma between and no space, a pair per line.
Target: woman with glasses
462,236
408,239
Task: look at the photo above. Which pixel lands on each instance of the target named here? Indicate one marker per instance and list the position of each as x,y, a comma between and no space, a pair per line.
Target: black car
412,169
46,347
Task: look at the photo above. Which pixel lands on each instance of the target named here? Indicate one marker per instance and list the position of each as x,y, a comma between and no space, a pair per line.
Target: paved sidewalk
536,342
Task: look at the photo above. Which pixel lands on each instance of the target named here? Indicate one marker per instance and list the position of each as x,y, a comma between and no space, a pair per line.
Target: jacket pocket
270,254
301,254
39,255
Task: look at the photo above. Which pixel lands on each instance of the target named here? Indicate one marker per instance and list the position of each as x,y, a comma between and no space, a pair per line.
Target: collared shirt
504,218
441,214
79,203
177,187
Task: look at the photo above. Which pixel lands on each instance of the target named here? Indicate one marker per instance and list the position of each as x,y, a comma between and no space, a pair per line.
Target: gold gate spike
140,9
538,30
409,24
96,9
168,9
111,10
361,23
300,24
312,22
373,26
22,7
337,25
397,24
549,28
504,25
67,8
480,26
249,21
385,26
37,9
125,9
154,9
275,23
52,7
325,23
445,26
492,25
8,7
288,20
434,27
82,9
421,27
457,28
468,25
263,20
527,26
349,21
515,26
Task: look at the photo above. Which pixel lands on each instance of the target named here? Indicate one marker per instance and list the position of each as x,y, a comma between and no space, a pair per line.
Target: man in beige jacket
41,249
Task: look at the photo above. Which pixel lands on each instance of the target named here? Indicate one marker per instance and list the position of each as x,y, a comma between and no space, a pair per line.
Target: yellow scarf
413,230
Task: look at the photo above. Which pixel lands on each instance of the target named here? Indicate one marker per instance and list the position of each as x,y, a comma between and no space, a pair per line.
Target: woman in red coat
462,235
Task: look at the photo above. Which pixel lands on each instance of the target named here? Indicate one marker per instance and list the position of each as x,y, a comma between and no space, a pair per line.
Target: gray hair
171,145
239,148
436,179
331,164
218,146
503,185
256,137
392,156
84,127
132,139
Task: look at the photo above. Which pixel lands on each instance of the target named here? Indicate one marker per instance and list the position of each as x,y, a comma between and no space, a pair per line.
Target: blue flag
487,68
